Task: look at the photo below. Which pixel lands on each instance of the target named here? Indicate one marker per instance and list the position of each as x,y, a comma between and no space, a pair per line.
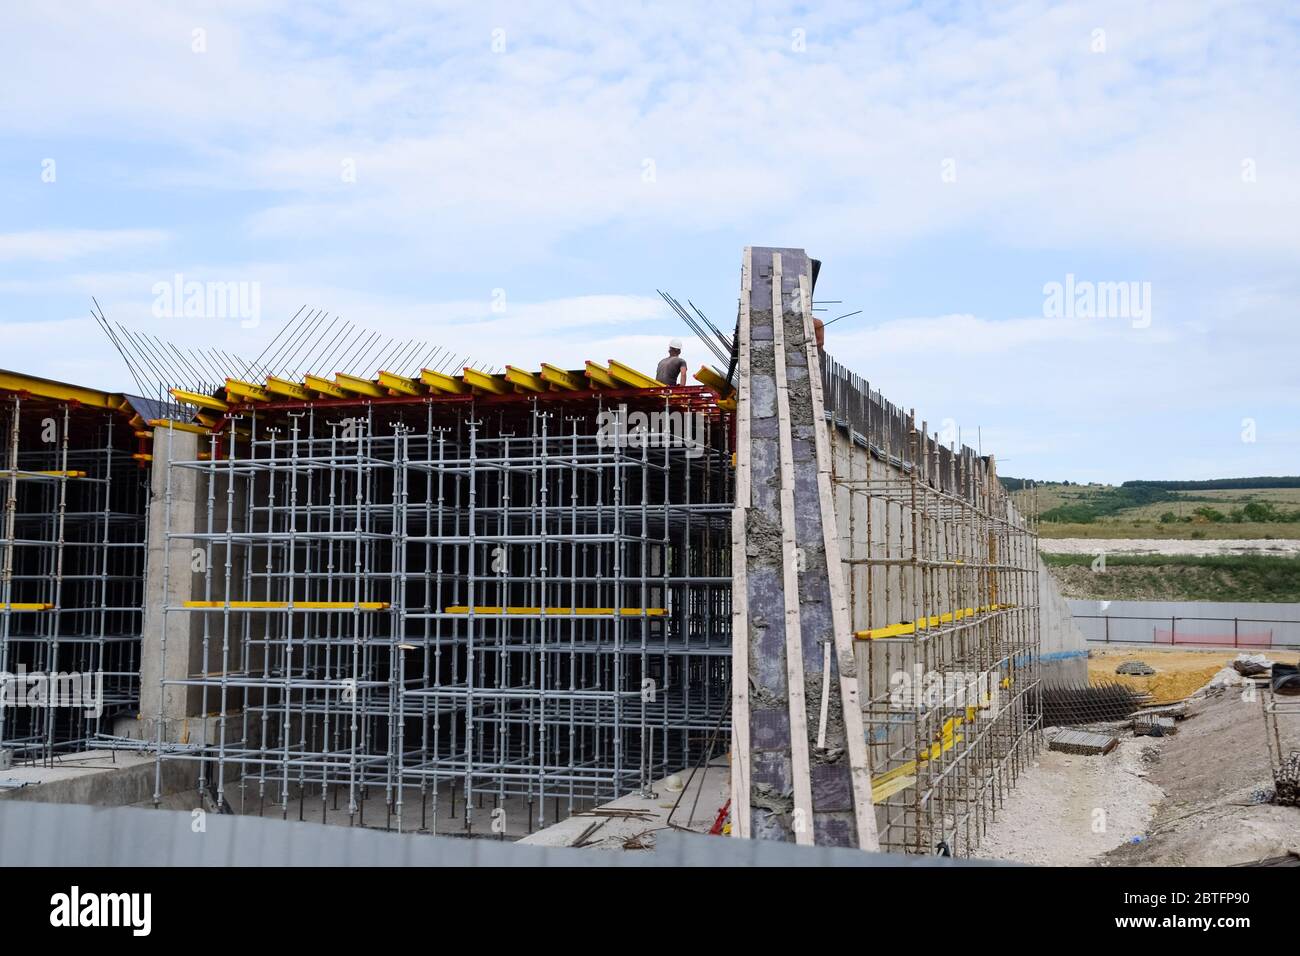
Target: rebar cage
943,590
415,601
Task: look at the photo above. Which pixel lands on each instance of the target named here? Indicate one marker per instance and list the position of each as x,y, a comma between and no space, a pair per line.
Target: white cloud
58,245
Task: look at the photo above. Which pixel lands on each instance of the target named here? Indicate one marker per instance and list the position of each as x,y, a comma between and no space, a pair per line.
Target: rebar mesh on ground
1069,705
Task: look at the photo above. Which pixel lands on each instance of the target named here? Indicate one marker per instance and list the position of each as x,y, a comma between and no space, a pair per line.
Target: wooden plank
846,660
740,737
801,768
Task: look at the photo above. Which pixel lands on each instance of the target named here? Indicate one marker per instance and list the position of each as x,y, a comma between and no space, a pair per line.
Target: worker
819,333
672,370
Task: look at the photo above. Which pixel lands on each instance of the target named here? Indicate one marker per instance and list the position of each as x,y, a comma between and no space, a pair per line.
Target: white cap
675,344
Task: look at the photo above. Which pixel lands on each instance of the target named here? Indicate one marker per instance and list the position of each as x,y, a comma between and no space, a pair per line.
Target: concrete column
169,580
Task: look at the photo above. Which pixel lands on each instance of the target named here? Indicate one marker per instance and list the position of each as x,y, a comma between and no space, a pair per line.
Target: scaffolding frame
513,597
72,556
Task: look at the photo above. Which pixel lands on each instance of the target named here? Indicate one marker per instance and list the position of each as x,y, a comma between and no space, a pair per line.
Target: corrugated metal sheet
42,834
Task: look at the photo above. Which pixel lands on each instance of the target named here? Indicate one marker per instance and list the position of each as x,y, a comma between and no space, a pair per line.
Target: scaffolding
943,589
440,604
72,555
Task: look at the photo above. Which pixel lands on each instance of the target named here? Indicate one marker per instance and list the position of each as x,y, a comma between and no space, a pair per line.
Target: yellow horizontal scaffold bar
498,611
19,606
285,605
44,474
911,627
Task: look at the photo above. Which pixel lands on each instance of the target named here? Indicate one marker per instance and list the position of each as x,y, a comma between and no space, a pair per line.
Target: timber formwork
943,587
72,555
442,604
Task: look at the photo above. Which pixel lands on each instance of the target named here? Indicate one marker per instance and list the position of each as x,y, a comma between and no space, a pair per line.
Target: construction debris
1251,665
1286,781
1151,726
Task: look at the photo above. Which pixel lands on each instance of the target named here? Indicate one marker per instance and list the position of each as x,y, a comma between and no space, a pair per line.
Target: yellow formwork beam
498,611
441,382
180,426
282,386
236,388
560,378
400,384
19,606
707,376
58,391
286,605
324,386
199,399
627,375
600,375
524,380
358,386
486,382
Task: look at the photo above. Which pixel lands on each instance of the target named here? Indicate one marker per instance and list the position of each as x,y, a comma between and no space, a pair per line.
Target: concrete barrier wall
1251,625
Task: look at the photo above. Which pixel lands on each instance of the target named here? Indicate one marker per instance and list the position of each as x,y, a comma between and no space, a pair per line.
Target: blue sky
396,163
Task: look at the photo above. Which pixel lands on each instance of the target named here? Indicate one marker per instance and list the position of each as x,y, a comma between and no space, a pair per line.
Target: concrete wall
889,599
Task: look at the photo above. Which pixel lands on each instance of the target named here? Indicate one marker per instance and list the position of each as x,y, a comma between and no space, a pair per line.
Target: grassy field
1143,520
1178,577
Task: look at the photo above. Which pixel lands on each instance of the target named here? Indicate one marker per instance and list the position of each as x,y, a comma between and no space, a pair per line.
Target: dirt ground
1178,673
1193,799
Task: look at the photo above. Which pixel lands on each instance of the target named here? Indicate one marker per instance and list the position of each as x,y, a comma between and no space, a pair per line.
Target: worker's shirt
670,369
